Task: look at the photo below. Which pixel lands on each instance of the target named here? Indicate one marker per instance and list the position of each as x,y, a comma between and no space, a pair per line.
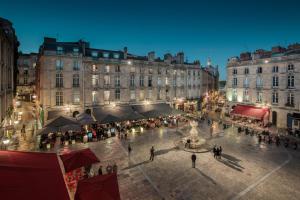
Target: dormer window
290,67
95,54
59,50
259,70
116,56
105,54
76,51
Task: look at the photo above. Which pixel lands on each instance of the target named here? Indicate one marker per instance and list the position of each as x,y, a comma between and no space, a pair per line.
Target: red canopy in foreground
30,175
77,159
102,187
250,111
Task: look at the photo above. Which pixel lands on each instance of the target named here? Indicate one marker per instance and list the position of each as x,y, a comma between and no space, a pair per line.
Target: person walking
220,153
215,151
152,153
193,157
129,149
100,172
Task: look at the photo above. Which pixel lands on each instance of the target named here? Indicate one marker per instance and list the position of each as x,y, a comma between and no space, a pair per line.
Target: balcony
76,85
289,104
59,85
259,86
246,85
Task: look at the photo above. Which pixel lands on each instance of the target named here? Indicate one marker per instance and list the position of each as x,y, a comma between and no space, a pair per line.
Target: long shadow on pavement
207,177
137,164
231,164
164,151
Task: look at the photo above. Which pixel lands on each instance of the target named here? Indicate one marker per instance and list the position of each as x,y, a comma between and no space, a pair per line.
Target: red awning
77,159
249,111
98,187
30,175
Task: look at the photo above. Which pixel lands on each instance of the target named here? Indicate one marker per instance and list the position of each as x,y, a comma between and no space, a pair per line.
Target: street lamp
129,62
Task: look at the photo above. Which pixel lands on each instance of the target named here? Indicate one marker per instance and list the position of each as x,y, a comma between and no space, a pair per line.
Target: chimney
151,56
125,52
49,40
180,58
168,58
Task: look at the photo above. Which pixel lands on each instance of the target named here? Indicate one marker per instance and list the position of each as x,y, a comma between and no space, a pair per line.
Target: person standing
152,153
193,157
115,168
220,154
129,149
100,172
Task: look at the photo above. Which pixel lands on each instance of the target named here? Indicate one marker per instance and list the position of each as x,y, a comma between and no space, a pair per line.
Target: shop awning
156,110
85,119
249,111
55,113
61,121
80,158
98,187
31,175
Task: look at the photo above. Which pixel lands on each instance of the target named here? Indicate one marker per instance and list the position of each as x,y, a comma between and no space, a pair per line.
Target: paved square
247,170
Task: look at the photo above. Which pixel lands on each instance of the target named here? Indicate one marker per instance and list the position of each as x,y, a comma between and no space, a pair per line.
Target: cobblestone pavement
247,170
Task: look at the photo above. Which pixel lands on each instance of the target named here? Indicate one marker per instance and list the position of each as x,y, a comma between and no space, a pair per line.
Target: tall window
106,80
234,71
275,97
167,81
132,94
59,80
117,94
117,68
158,81
59,50
59,65
149,81
158,94
59,98
246,71
234,95
75,80
131,80
291,81
117,81
106,95
234,82
76,97
94,97
290,99
275,69
106,69
259,70
290,67
76,65
246,95
275,81
25,79
259,97
259,82
246,82
95,80
141,81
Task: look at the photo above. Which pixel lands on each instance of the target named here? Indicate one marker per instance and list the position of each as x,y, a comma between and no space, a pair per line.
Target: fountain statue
193,140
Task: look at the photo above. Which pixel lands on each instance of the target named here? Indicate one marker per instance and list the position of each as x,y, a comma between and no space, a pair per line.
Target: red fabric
250,111
101,187
77,159
30,175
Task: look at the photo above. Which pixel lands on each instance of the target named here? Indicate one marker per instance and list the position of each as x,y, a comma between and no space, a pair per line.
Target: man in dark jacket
194,160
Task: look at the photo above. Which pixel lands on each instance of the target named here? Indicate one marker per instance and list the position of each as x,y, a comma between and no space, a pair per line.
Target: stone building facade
26,76
72,76
267,79
8,56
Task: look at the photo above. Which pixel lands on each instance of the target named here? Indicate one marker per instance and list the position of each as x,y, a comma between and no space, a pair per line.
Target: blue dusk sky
216,29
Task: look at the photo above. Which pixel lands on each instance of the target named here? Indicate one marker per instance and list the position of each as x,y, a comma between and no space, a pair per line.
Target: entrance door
274,118
289,120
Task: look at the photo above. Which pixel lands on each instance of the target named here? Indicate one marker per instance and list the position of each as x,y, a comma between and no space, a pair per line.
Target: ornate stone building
26,76
8,57
72,76
267,79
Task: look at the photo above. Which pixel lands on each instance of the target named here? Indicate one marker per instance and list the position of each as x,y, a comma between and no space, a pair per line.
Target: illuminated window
59,98
132,94
76,97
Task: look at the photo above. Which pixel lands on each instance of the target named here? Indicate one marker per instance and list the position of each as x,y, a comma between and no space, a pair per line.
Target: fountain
193,142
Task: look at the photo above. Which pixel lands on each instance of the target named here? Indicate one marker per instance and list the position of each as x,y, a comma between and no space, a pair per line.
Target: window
275,97
75,51
141,81
275,69
94,97
116,55
132,94
25,79
106,80
95,54
290,99
25,71
259,97
291,81
76,97
106,69
158,81
59,50
75,80
117,68
149,81
117,81
117,94
246,95
234,95
76,65
131,80
94,68
150,70
259,82
234,82
234,71
59,65
259,70
246,71
275,81
106,55
290,67
132,69
95,80
149,94
167,81
106,95
59,99
142,95
59,80
246,82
